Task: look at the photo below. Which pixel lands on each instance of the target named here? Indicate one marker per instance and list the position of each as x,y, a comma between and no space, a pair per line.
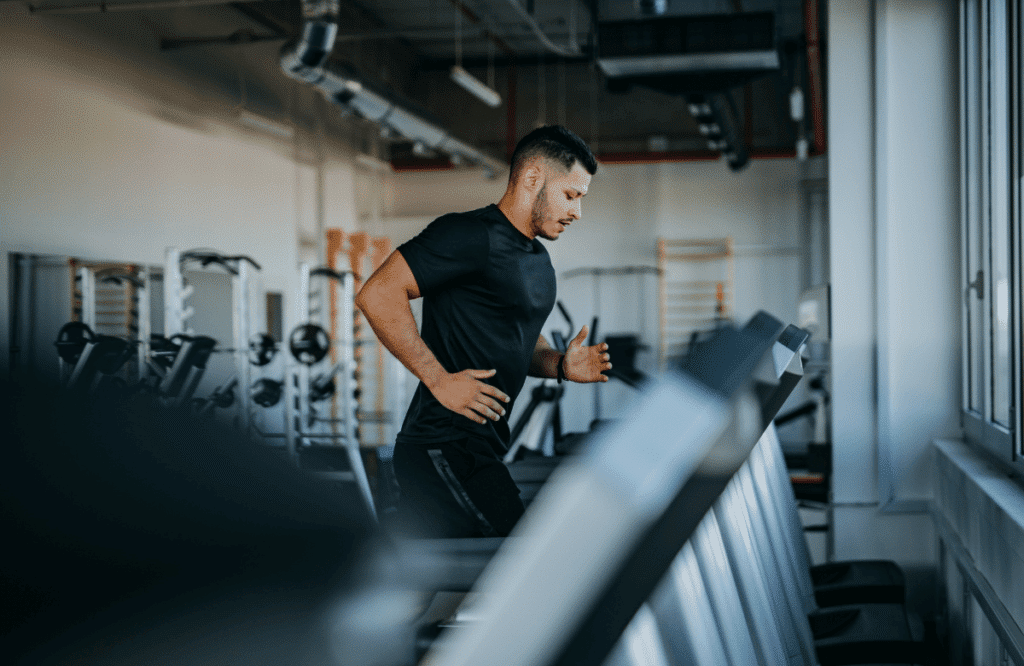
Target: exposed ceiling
409,47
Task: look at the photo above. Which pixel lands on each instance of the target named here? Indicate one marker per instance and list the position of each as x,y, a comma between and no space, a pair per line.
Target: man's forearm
544,362
391,319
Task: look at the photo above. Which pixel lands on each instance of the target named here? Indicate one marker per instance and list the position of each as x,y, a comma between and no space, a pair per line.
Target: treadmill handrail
596,542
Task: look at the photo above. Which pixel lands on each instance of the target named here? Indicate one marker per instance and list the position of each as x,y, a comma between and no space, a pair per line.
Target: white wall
893,175
627,208
99,161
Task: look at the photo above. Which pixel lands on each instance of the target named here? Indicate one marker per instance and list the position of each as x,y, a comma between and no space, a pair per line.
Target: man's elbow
363,299
372,299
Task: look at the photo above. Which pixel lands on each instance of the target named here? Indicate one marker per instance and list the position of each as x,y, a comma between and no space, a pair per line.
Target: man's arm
582,364
544,362
384,301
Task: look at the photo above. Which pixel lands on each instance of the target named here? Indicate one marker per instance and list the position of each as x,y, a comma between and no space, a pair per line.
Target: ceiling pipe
306,60
489,29
573,49
105,7
654,157
618,158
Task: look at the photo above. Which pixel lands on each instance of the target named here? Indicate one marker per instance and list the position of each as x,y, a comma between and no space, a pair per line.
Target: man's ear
532,178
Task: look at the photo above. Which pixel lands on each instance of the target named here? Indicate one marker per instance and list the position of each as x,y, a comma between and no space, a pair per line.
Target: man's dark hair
555,143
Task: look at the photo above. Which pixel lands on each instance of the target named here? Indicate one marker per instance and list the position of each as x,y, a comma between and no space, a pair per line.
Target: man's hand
464,393
584,364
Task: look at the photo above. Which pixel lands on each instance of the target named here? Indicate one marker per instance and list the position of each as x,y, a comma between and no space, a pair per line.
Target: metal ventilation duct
306,60
689,45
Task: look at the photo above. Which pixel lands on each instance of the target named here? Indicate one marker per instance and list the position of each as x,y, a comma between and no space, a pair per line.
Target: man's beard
538,211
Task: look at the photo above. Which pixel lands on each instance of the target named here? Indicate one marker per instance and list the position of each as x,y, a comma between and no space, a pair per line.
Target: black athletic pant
455,489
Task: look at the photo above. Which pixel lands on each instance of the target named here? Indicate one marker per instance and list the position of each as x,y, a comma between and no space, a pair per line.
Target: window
991,198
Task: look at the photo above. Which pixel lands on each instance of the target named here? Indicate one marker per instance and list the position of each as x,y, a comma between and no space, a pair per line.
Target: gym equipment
379,378
262,349
180,382
136,282
313,442
222,397
322,387
100,358
623,349
863,633
266,392
739,576
539,428
177,312
695,286
309,344
595,544
833,583
162,351
87,360
230,263
817,458
72,339
531,473
113,299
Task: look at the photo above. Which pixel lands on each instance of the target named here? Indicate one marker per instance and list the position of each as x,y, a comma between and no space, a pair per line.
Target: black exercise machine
95,358
598,544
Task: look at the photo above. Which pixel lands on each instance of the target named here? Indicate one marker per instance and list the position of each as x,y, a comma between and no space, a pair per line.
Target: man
488,287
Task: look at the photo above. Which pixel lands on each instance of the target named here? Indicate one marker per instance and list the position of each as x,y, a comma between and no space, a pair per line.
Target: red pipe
407,165
649,157
812,29
402,165
777,154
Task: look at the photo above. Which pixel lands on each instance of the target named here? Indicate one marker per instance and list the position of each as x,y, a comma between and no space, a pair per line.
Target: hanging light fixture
470,83
475,87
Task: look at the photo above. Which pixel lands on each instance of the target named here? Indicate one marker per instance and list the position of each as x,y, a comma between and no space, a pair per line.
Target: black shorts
455,489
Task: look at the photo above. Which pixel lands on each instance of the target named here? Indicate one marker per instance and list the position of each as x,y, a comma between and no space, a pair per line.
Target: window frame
991,187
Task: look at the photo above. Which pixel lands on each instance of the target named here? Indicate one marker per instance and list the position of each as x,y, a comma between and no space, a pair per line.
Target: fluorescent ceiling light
475,87
371,163
253,121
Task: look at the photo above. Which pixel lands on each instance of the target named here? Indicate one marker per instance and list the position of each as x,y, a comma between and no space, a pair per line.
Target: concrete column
851,98
893,179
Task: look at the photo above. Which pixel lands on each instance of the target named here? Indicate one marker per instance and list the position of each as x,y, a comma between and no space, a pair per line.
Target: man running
488,287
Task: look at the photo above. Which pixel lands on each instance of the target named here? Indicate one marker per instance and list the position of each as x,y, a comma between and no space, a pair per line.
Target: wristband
561,369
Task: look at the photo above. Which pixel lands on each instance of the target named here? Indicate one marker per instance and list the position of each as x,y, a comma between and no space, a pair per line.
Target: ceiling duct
698,57
652,7
743,43
306,60
716,122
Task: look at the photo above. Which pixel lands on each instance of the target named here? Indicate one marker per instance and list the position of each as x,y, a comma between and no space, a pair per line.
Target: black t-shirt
487,290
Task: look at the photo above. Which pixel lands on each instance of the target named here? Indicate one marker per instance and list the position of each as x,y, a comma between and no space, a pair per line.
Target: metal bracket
978,285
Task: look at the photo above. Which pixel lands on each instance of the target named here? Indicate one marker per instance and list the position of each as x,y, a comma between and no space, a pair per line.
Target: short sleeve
450,249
